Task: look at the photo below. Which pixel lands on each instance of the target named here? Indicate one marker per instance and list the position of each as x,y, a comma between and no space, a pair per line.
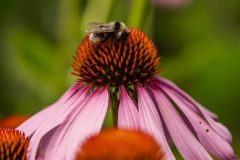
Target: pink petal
218,127
150,121
85,120
44,143
173,86
39,158
51,122
171,4
128,117
167,135
211,140
31,124
185,141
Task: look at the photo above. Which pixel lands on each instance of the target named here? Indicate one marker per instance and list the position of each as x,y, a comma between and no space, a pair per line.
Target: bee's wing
93,24
96,27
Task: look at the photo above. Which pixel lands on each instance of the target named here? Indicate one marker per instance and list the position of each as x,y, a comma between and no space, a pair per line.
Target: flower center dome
123,62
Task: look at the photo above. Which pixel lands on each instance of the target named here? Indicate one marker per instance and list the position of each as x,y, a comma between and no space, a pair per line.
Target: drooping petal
31,124
151,122
128,116
218,127
56,118
185,141
167,135
170,84
211,140
85,120
44,143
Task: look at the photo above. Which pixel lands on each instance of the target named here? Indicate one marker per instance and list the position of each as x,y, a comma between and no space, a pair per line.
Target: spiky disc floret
13,145
114,63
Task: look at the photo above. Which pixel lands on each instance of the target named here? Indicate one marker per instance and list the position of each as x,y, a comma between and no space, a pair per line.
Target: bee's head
121,30
117,26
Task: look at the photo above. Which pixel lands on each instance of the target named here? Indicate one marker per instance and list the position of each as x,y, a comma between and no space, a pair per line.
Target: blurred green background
198,40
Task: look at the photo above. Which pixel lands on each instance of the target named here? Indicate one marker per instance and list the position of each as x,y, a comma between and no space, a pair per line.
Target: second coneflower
118,70
120,144
13,144
13,121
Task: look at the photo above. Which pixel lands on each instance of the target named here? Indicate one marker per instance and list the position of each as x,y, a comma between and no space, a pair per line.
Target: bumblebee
102,31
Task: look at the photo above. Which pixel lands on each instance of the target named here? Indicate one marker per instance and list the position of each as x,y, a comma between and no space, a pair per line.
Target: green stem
115,106
136,13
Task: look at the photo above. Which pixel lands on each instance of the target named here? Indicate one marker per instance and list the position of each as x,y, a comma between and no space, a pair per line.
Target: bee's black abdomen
124,35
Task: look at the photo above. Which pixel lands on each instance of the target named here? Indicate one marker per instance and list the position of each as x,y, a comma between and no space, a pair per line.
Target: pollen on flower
13,145
120,144
125,62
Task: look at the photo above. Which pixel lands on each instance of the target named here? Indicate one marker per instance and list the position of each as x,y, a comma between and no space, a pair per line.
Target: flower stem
115,104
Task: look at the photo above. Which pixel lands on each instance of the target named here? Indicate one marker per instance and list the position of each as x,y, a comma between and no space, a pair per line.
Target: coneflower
13,144
13,121
122,74
114,144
